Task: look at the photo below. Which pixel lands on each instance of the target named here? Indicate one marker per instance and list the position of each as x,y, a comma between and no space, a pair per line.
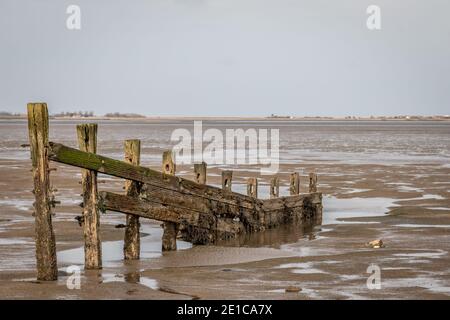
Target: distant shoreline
245,118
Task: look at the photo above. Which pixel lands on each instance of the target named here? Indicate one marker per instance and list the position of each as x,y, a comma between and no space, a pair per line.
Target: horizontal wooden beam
158,206
141,207
195,206
169,185
198,227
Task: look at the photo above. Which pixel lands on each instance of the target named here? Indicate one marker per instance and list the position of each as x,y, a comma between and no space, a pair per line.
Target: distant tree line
123,115
79,114
9,114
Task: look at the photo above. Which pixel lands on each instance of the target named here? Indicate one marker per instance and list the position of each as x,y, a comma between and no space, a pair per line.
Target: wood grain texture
87,141
46,263
227,180
274,187
294,183
132,240
252,187
213,223
312,182
170,229
200,173
173,199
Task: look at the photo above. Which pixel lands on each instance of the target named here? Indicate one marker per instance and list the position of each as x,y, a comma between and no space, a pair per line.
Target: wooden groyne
192,210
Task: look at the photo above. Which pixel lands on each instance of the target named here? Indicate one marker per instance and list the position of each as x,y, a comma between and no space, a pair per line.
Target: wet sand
405,203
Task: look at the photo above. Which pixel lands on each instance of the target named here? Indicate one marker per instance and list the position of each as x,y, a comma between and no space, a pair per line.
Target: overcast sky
227,57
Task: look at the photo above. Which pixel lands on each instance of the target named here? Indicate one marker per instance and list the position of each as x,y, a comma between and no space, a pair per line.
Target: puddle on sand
423,254
354,190
429,283
150,283
426,197
407,225
112,251
14,241
134,277
335,209
300,268
19,204
313,294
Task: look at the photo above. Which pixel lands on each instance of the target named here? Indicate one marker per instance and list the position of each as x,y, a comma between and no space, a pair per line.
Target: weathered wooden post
316,198
312,182
46,264
274,187
168,164
227,177
294,188
169,239
132,241
252,187
87,141
200,172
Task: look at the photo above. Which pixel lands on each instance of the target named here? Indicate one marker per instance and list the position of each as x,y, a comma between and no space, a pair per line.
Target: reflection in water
274,238
131,277
112,251
150,283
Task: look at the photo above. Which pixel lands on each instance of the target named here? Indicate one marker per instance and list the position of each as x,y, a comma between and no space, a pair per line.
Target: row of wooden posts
87,141
274,187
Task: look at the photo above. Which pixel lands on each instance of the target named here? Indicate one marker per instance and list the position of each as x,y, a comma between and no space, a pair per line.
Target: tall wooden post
227,177
252,187
132,241
312,182
46,264
87,141
169,239
274,187
294,187
200,172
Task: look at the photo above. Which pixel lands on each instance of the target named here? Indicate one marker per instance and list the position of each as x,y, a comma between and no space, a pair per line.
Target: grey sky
227,57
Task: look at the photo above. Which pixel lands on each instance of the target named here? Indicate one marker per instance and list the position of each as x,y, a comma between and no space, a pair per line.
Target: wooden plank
206,226
214,225
87,141
182,192
203,205
117,168
46,263
151,178
132,240
141,207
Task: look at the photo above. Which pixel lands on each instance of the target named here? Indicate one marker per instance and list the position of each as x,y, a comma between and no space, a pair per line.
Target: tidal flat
380,180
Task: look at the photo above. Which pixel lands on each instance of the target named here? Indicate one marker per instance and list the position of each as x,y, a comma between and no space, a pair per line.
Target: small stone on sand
376,244
293,289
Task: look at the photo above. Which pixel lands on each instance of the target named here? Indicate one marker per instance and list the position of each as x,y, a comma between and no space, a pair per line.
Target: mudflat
383,180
